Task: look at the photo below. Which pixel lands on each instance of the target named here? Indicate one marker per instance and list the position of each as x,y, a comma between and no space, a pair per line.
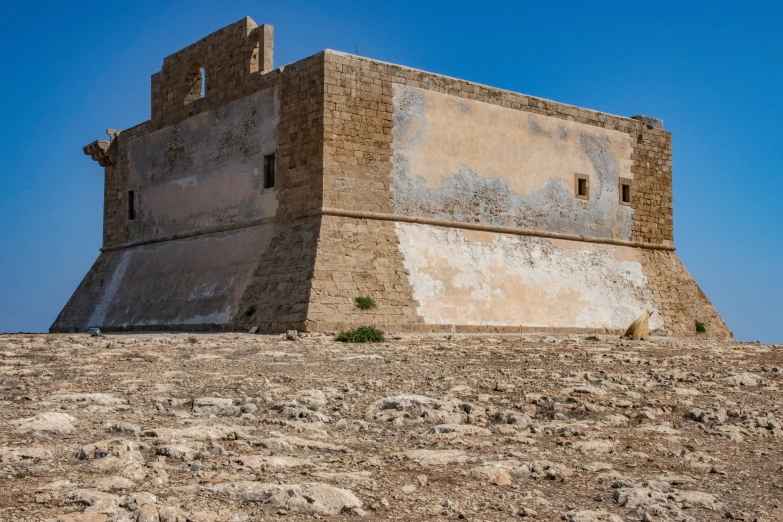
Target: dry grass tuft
640,328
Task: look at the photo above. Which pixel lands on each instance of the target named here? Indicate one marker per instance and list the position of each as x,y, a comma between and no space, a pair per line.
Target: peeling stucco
483,278
205,170
469,161
98,316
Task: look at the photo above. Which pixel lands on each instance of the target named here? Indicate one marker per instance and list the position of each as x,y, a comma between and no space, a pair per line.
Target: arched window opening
195,83
255,54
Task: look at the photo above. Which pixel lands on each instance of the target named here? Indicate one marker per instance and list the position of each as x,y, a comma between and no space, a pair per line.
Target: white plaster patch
98,316
222,317
190,181
523,281
203,291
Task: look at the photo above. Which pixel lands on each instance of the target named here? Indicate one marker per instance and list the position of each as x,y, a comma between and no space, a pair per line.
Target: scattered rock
53,422
430,458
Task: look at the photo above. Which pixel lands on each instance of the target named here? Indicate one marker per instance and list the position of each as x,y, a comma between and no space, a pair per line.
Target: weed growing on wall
250,311
363,334
700,328
364,303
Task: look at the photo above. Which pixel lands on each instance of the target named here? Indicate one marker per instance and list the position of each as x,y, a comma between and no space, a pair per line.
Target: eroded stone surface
223,428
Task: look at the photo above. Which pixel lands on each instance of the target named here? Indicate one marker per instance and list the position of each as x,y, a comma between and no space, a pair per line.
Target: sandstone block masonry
273,197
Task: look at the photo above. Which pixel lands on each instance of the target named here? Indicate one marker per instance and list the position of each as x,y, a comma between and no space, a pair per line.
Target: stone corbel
98,149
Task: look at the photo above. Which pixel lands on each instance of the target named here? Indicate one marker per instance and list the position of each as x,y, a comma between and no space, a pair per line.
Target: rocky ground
234,427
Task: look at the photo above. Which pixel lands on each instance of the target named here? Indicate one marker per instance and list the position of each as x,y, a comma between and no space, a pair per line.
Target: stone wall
206,170
680,300
297,91
361,158
359,120
360,258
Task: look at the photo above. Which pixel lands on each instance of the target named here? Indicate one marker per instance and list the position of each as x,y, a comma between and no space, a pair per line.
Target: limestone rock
54,422
316,499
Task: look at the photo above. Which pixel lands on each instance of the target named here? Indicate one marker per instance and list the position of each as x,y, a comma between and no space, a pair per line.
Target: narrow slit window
269,171
626,193
203,82
131,205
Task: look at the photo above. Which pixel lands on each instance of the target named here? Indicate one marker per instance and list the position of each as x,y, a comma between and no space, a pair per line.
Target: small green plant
700,328
250,311
364,303
363,334
591,338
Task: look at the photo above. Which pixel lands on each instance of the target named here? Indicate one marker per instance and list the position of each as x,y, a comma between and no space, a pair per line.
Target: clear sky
711,70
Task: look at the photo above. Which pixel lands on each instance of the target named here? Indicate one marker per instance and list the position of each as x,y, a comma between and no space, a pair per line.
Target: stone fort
270,197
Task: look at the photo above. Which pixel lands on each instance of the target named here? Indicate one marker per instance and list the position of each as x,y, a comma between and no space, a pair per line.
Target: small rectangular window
131,205
624,187
269,171
582,186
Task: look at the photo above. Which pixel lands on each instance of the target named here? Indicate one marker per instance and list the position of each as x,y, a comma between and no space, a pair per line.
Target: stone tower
273,198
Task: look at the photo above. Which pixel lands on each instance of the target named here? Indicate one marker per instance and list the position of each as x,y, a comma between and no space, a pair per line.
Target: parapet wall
230,58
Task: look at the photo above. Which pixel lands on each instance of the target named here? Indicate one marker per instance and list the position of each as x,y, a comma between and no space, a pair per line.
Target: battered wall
681,301
186,282
277,297
467,277
360,257
257,275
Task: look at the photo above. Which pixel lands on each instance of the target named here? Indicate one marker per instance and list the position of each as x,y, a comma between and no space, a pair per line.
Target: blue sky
712,71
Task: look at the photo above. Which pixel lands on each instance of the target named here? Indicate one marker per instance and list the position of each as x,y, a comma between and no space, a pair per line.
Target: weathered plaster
470,161
205,170
184,282
481,278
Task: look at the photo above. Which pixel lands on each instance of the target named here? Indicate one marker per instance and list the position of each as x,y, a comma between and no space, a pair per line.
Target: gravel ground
232,427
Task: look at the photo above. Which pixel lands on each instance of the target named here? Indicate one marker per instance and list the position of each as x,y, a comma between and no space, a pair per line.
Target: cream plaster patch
475,162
